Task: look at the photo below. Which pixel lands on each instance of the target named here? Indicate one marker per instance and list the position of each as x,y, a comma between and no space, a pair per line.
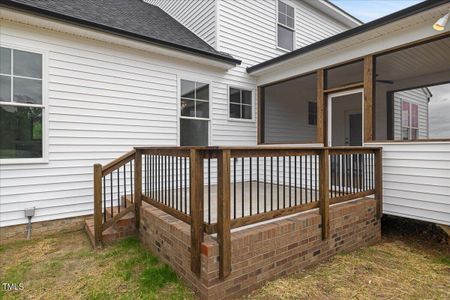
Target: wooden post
324,192
260,117
196,203
321,109
369,74
379,181
224,214
98,205
137,187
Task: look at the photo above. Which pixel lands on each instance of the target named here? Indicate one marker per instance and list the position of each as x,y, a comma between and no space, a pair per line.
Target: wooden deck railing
216,189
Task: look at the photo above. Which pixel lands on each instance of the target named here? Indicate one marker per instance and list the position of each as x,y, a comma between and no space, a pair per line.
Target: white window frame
410,127
285,26
201,79
252,119
44,106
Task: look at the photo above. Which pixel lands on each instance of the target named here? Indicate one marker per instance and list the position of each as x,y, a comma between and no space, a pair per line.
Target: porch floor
245,201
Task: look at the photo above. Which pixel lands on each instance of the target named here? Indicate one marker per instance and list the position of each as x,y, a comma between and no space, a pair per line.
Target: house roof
131,18
412,10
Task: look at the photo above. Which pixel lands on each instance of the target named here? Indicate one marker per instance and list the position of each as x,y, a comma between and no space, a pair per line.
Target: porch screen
289,115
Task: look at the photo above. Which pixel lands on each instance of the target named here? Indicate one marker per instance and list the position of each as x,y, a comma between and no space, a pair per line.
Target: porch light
442,22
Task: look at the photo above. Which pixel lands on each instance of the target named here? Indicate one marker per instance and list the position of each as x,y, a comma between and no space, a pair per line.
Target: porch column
369,98
322,118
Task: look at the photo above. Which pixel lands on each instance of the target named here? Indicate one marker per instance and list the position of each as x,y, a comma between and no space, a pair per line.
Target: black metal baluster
310,179
301,179
118,190
209,188
265,185
161,178
131,181
104,199
290,183
111,186
251,183
242,188
234,186
271,183
278,182
316,177
295,179
185,186
284,181
125,184
257,184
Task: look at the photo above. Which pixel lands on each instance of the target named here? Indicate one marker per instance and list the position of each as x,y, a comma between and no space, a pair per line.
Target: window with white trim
21,104
285,26
194,123
240,104
410,121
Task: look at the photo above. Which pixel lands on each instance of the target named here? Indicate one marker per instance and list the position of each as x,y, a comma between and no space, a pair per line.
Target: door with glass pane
194,113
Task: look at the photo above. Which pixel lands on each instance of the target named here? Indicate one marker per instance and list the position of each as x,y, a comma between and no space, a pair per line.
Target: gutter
118,32
401,14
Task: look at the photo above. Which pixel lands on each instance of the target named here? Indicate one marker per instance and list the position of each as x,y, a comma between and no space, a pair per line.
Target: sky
368,10
439,105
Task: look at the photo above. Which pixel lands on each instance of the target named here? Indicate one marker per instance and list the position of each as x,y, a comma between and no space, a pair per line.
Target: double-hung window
240,104
194,116
285,26
410,121
21,104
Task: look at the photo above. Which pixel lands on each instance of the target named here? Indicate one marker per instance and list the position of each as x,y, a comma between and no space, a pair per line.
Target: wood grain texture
369,91
321,109
224,214
324,193
196,196
137,186
379,181
98,205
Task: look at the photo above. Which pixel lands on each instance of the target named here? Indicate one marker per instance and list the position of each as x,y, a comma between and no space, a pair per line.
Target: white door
346,118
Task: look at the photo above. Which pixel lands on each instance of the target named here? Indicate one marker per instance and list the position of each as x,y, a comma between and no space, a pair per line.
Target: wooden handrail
328,192
118,162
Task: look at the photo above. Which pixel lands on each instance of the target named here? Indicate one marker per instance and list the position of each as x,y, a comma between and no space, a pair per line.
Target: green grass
64,266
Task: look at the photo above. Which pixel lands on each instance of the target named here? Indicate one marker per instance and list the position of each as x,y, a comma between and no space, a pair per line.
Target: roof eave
119,32
407,12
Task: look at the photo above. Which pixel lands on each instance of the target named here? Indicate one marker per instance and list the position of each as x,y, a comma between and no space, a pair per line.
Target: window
194,125
21,104
286,26
410,121
240,104
312,113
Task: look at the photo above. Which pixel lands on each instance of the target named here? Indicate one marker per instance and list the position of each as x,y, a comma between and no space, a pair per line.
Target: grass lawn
409,263
64,266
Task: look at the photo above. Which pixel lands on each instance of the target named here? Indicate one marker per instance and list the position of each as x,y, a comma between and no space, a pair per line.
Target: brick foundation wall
39,229
260,253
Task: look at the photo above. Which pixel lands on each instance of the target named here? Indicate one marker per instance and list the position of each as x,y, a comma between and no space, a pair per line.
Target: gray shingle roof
132,18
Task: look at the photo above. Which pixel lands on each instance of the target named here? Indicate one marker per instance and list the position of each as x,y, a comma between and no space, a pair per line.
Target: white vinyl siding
419,97
248,29
199,16
102,101
416,180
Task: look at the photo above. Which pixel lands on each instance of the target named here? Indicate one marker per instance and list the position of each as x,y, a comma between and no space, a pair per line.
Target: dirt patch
411,262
